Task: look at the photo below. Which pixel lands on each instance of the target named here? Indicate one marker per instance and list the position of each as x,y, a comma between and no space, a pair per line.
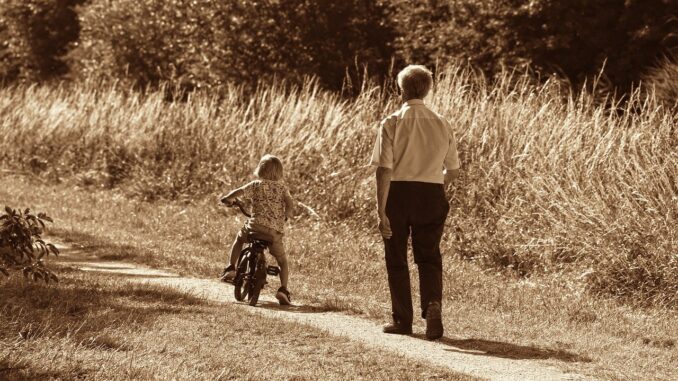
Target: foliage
661,81
572,38
21,245
34,35
206,43
203,43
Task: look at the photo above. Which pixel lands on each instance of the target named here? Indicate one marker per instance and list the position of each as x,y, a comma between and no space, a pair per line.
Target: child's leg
278,251
240,240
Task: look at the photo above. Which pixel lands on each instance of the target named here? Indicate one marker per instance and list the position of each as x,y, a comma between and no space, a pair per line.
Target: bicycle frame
251,268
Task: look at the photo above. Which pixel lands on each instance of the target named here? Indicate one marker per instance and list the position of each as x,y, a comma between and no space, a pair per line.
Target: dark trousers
417,209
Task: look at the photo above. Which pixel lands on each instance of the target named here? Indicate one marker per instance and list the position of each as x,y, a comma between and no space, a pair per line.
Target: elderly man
416,155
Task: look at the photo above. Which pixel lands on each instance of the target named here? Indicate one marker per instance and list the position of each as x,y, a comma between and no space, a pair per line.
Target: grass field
104,329
561,240
551,182
546,316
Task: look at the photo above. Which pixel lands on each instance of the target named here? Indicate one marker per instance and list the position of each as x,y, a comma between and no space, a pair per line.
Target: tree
574,38
207,43
34,36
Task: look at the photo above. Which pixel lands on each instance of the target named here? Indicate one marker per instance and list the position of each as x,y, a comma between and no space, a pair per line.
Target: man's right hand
385,227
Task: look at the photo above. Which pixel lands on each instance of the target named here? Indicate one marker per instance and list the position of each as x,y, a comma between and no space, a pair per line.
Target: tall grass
552,180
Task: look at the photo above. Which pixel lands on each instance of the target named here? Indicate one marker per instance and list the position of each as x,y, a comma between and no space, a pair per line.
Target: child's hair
269,168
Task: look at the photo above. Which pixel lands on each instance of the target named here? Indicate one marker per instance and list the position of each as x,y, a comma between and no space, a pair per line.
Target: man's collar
413,102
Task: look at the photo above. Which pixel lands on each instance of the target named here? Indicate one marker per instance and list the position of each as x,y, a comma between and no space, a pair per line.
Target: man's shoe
434,321
398,329
283,297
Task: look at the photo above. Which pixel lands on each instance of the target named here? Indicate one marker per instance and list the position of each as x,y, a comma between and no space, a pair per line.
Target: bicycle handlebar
239,204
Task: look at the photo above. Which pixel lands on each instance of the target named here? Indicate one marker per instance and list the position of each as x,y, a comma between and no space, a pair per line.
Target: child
271,206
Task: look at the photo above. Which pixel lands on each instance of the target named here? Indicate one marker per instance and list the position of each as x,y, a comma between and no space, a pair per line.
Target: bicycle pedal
273,270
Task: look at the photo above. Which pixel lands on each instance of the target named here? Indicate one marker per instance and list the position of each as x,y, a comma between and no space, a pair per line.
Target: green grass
548,317
551,181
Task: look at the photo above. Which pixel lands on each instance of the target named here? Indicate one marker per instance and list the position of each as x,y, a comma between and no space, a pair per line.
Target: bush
211,43
573,38
34,36
662,81
21,246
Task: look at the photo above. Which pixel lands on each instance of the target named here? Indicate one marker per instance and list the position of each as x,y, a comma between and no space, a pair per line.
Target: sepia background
124,120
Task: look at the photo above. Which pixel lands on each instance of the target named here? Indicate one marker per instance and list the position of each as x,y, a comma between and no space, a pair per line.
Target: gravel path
445,354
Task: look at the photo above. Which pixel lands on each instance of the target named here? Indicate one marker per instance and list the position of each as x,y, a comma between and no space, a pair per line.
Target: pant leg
430,208
395,249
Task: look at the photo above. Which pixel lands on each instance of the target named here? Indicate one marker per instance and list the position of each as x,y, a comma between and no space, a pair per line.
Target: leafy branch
21,245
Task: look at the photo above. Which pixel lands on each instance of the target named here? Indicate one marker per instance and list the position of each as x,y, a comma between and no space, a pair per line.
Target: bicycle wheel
241,282
259,279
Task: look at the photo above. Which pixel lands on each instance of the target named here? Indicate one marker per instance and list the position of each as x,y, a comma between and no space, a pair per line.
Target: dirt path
445,353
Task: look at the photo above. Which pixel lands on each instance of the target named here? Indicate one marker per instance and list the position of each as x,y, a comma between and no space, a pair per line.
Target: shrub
662,81
21,245
34,36
205,43
572,38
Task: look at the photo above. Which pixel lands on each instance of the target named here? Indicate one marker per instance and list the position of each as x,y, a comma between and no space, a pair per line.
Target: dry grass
551,181
103,329
546,317
560,200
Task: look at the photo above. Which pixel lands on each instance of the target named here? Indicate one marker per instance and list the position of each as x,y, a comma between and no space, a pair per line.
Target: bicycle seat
259,236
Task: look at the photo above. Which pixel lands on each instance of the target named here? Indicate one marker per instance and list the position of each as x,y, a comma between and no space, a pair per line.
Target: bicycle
251,267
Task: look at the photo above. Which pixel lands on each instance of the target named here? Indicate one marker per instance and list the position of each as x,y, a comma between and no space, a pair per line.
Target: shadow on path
268,305
86,246
506,350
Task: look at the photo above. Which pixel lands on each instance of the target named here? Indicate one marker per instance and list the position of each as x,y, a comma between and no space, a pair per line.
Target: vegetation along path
447,353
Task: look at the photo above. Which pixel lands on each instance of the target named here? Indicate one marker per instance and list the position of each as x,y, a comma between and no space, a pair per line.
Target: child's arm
289,205
229,198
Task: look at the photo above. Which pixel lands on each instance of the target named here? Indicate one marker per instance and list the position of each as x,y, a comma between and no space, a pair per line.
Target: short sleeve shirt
268,203
416,143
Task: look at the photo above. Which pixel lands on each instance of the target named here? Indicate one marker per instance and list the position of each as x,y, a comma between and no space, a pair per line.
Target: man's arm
451,163
383,186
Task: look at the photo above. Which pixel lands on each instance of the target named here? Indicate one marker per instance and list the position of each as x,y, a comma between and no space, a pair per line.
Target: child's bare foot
228,274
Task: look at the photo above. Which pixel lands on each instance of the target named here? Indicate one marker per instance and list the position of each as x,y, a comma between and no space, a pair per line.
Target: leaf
27,211
54,277
53,249
8,210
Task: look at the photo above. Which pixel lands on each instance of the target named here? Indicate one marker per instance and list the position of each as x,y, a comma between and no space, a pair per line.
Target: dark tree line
207,43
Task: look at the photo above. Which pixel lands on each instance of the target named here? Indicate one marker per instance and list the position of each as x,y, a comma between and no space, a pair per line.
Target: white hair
415,81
